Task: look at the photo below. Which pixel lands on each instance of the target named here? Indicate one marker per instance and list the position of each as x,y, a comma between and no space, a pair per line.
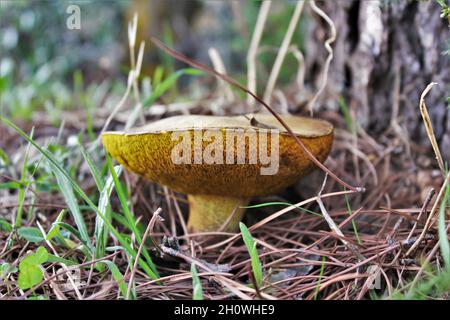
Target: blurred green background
46,66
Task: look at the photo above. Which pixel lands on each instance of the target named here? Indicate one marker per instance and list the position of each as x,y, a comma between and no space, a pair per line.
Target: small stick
137,111
276,215
282,51
427,201
31,290
69,277
136,260
429,127
333,225
179,214
223,280
301,66
427,261
253,49
328,43
433,211
120,104
132,77
220,67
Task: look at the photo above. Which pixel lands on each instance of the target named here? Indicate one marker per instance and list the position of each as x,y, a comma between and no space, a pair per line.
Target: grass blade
197,291
168,83
346,112
128,215
23,185
54,230
319,281
350,212
72,203
101,232
251,247
287,204
118,277
151,273
93,168
55,259
443,237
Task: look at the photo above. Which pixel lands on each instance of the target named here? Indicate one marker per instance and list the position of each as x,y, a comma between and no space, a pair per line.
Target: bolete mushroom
221,162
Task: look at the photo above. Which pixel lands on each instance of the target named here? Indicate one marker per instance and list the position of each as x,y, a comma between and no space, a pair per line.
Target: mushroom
221,162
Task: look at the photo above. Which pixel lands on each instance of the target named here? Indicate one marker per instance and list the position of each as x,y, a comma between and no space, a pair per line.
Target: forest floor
382,243
73,225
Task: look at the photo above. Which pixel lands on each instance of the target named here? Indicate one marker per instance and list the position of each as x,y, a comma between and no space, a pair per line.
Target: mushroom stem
210,213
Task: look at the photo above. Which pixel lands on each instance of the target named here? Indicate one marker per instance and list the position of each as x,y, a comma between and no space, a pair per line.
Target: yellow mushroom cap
148,151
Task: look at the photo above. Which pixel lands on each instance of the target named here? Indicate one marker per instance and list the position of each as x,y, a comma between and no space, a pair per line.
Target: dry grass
389,217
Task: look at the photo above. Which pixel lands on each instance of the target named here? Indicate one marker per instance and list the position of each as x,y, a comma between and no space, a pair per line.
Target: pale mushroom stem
210,213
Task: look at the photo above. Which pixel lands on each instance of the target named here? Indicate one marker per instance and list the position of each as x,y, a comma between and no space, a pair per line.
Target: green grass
30,268
162,86
319,281
129,216
436,282
350,212
71,190
346,113
197,291
253,252
435,285
281,203
23,186
445,9
443,237
287,204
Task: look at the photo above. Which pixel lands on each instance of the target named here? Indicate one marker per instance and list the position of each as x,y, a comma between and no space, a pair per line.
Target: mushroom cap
148,152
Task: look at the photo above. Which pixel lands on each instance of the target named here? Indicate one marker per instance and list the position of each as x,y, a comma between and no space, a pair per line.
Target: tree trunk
385,54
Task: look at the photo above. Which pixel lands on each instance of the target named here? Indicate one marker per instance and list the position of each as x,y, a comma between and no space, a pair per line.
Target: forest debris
433,212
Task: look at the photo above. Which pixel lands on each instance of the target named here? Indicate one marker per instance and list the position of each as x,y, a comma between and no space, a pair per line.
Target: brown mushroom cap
147,151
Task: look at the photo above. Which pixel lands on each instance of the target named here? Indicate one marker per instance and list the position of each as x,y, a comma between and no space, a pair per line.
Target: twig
282,51
253,49
31,290
427,201
63,265
328,43
59,295
301,66
132,33
220,67
137,111
132,78
136,259
189,259
433,211
333,226
426,262
120,104
179,214
277,215
429,127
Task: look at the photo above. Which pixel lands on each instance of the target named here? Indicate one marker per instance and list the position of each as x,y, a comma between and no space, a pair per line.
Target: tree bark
385,54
